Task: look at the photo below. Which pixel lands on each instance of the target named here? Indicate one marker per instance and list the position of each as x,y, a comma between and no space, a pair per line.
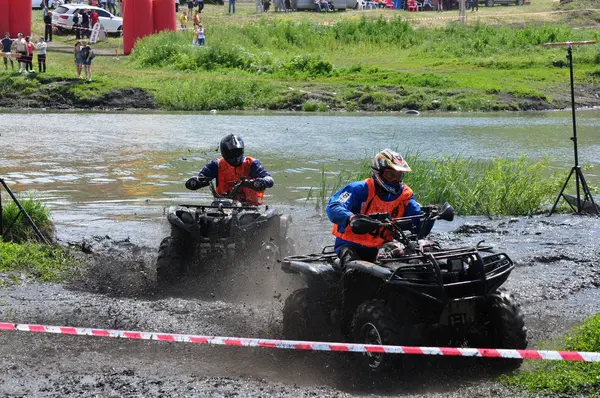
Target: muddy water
113,173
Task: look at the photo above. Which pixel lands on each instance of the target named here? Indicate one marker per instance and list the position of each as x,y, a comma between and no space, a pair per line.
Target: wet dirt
556,280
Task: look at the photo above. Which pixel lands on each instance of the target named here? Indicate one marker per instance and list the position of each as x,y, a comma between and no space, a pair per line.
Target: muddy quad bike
417,293
227,230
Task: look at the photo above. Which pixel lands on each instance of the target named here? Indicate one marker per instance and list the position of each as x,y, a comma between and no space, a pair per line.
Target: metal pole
35,228
574,138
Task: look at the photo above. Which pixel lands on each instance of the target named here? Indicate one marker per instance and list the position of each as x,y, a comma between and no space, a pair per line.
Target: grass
355,60
498,187
565,378
43,262
17,228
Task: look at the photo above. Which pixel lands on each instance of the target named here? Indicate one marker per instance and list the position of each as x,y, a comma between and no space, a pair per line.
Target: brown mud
556,281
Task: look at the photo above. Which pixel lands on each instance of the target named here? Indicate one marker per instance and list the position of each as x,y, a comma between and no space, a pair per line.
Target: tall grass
498,187
20,230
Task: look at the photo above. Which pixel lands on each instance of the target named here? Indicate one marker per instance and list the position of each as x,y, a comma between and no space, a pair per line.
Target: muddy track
556,281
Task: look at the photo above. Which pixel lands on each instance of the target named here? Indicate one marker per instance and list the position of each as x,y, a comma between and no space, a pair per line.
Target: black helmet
232,149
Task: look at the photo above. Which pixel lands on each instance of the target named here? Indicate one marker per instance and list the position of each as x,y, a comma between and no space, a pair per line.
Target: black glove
257,184
361,224
196,183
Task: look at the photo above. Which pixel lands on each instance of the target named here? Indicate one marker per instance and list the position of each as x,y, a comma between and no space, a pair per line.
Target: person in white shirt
41,47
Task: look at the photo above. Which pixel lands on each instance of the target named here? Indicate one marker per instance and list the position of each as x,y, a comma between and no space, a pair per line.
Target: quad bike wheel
374,323
303,318
505,326
171,260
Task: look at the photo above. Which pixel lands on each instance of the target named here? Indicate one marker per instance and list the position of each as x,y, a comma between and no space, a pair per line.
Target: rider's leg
351,253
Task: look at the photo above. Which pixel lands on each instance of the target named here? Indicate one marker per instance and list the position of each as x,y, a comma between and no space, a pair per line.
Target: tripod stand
580,182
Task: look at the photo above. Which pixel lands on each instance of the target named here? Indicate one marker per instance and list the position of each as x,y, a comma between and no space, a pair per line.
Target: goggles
391,175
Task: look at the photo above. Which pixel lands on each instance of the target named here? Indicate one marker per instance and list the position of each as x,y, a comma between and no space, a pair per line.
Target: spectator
281,4
48,27
474,5
190,7
77,25
183,20
200,5
260,8
85,23
317,5
231,4
176,6
87,55
94,18
78,58
21,46
201,36
103,2
30,48
398,4
41,47
196,19
111,7
7,44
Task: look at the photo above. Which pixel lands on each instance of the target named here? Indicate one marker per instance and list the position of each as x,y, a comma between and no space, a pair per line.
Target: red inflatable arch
4,18
137,22
19,12
164,14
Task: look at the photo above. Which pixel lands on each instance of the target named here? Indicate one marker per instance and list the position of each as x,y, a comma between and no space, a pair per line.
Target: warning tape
311,345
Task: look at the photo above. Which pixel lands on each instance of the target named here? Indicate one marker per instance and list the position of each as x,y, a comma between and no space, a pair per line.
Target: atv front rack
204,207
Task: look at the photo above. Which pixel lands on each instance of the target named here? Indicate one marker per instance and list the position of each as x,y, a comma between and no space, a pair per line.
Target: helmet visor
234,156
393,176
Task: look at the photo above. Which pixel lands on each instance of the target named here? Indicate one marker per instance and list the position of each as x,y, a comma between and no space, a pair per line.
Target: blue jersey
350,200
211,170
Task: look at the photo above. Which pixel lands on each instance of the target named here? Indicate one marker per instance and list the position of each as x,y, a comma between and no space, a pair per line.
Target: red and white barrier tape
311,345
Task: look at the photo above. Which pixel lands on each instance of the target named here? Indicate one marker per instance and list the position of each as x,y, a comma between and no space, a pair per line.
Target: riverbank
351,61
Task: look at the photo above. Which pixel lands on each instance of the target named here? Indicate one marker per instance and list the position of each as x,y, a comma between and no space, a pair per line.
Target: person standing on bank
41,47
48,27
7,44
78,58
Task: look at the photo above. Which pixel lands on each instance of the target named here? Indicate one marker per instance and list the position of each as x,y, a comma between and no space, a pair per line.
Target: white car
51,3
62,18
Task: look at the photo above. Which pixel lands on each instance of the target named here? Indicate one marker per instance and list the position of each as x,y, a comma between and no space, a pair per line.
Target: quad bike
415,293
227,230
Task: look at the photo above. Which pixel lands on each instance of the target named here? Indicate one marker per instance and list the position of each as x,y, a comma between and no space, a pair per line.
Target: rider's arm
258,172
413,208
346,202
207,173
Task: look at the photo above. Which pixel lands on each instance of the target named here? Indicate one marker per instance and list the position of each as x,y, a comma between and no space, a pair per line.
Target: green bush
18,227
565,378
45,262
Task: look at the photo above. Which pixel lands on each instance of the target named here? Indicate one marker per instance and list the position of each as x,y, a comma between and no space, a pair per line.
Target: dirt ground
556,281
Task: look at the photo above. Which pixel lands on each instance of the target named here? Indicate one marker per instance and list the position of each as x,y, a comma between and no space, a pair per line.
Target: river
95,169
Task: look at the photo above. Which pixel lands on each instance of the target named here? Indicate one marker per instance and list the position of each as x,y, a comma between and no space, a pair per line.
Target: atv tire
171,259
374,323
303,318
505,327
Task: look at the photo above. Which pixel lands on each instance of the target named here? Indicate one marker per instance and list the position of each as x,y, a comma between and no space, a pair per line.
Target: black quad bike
416,293
224,231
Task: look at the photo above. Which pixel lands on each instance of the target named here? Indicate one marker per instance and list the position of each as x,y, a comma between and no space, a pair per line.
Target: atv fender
182,218
319,277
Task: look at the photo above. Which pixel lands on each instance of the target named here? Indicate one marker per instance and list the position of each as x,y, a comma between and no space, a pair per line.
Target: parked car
51,3
491,3
310,4
352,4
62,18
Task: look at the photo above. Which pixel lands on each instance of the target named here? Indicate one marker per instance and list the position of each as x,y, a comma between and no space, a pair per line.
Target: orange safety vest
375,205
228,176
